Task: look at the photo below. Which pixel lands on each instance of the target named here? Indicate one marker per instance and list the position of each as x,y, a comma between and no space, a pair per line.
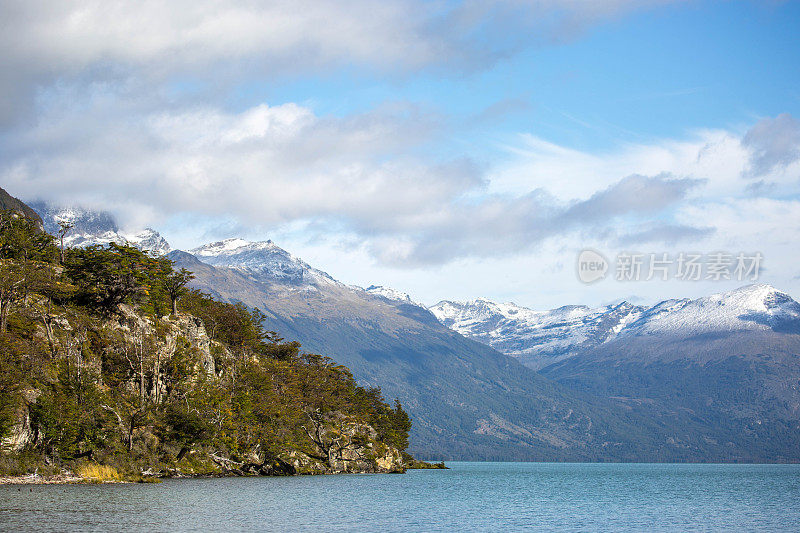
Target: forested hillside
106,357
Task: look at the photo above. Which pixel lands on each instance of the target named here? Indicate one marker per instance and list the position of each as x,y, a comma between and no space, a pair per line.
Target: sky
448,149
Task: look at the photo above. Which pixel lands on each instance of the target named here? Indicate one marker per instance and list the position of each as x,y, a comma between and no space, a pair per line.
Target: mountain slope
541,338
738,389
8,202
713,379
116,382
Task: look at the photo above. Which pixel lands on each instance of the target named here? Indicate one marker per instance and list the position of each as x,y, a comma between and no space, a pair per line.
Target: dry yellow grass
99,473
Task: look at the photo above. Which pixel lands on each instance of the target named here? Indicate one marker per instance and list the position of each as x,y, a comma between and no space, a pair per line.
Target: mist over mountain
96,227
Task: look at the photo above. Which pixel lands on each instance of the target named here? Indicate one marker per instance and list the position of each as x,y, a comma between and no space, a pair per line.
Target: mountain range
713,379
541,338
722,368
466,399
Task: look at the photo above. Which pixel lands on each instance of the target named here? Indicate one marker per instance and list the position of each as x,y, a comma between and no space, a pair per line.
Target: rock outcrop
340,443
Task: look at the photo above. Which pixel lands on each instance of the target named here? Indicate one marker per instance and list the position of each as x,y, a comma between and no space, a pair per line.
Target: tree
11,280
52,289
184,427
109,384
17,280
64,228
108,277
22,240
175,286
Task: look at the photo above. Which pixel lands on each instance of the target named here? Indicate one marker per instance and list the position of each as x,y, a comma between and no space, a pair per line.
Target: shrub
99,473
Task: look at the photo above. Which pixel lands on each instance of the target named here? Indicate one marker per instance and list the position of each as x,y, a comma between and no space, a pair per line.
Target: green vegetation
100,372
415,464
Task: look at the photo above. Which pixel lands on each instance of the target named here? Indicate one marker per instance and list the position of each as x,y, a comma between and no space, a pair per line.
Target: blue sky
651,74
449,149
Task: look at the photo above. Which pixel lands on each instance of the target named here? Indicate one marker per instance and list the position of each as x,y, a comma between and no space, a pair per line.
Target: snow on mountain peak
97,227
233,246
520,331
758,296
747,308
262,259
391,294
540,337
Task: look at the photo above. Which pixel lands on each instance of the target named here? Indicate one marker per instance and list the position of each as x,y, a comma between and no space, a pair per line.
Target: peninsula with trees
111,366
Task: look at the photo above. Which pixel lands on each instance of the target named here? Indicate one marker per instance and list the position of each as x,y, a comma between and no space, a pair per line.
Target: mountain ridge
15,204
538,338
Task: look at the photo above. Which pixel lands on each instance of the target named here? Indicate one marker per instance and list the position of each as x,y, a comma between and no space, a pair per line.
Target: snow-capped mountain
266,261
753,307
462,394
538,338
97,227
712,379
391,294
146,240
534,336
262,259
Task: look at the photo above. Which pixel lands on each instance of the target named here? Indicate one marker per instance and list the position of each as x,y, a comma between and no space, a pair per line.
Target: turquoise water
469,497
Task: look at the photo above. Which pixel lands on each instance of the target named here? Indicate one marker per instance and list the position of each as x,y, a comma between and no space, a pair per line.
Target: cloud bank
87,117
365,175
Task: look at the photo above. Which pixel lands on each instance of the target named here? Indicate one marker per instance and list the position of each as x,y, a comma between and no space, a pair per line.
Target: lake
468,497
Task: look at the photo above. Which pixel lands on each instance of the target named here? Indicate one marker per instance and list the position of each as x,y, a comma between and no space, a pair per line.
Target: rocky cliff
340,443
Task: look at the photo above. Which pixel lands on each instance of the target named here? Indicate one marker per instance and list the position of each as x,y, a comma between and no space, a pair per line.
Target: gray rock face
22,434
177,327
342,446
345,446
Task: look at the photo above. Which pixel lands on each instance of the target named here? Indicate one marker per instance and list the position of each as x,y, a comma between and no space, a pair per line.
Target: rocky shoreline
68,477
36,479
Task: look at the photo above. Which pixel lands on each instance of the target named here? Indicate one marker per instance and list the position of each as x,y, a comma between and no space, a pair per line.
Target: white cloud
103,132
73,34
266,165
774,143
271,167
715,156
153,42
345,190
